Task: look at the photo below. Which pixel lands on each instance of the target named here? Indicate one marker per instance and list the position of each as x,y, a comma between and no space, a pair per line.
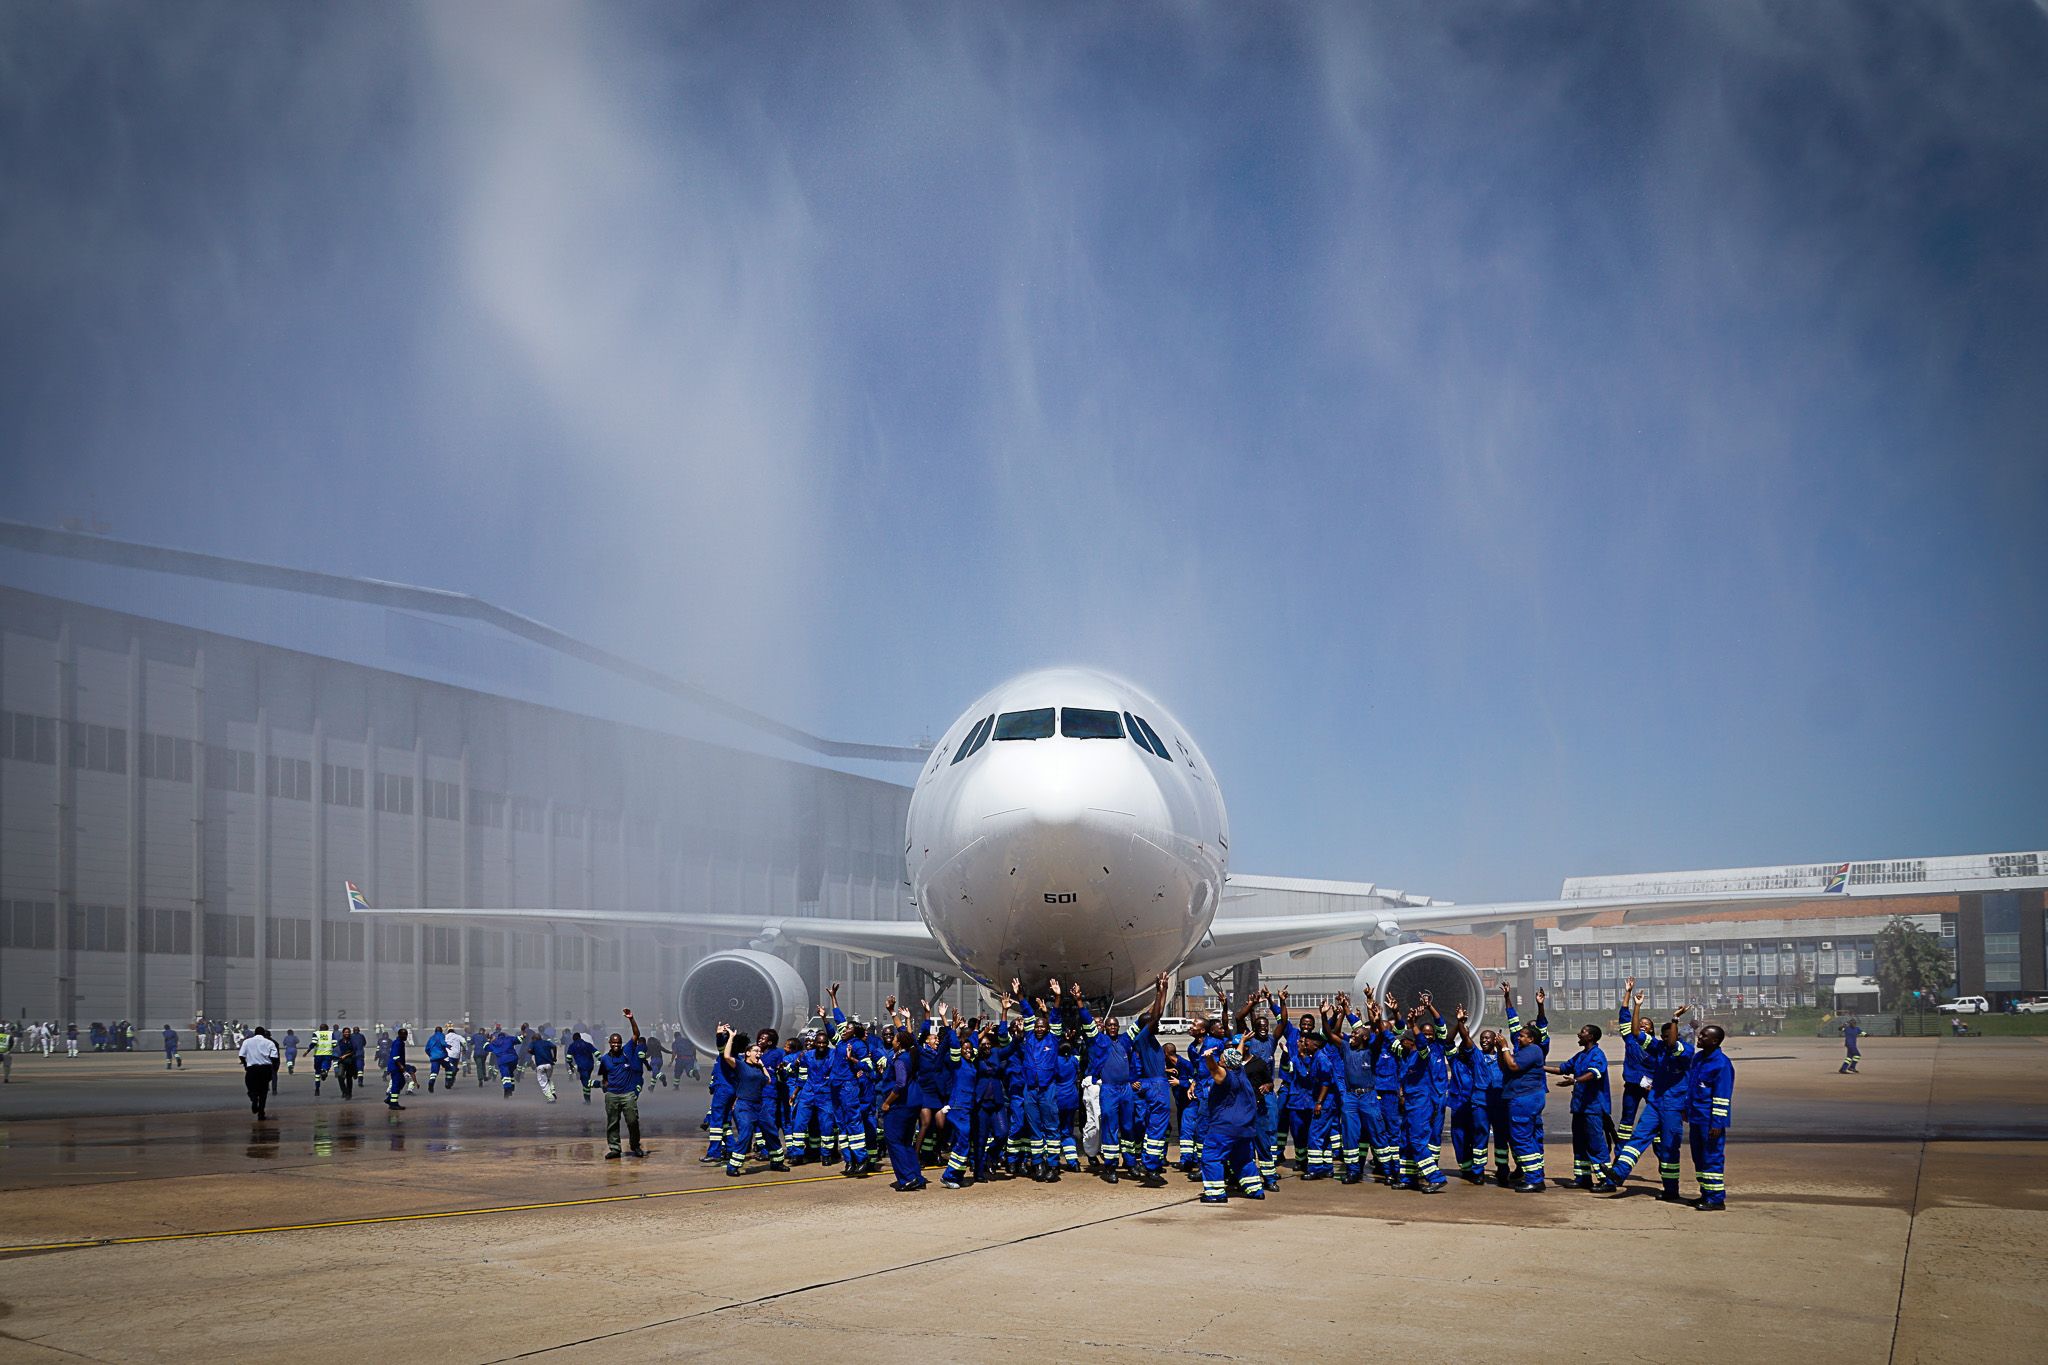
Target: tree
1797,983
1910,959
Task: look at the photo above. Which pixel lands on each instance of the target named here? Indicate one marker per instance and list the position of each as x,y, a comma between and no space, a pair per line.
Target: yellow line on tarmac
409,1217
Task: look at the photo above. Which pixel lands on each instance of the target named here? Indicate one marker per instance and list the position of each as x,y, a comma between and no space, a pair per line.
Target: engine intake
1409,969
744,988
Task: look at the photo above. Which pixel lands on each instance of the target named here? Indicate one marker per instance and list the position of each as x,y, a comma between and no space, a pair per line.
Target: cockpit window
975,738
1151,737
1078,722
1034,724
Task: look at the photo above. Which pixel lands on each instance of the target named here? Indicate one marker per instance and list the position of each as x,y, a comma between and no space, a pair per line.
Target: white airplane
1066,825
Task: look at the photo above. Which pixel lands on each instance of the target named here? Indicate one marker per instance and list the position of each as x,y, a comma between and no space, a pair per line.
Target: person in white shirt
259,1065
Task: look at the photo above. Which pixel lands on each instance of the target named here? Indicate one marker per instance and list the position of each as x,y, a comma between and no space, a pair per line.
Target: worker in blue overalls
395,1071
1475,1075
852,1077
899,1115
1852,1046
1383,1121
1635,1070
753,1100
1231,1106
774,1110
976,1106
1325,1074
1710,1089
1668,1059
1360,1105
931,1080
1109,1062
1152,1102
811,1068
504,1049
1067,1094
583,1056
1585,1075
1041,1050
1521,1063
1210,1036
1418,1050
1262,1046
437,1056
1297,1113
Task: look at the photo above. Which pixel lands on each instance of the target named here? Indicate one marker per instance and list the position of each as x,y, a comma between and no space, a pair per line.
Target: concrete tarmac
1900,1214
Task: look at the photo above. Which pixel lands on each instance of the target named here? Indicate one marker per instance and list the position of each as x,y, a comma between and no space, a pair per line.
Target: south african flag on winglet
355,897
1838,881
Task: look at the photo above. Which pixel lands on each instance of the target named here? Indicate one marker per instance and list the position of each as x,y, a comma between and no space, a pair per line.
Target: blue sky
1519,440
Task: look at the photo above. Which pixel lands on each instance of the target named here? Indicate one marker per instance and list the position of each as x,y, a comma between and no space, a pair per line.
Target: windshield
1079,723
1035,724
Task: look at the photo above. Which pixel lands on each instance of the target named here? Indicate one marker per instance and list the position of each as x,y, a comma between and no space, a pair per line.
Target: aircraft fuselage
1041,853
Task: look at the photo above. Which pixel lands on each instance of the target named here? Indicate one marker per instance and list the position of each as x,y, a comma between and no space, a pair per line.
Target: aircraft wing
905,940
1232,940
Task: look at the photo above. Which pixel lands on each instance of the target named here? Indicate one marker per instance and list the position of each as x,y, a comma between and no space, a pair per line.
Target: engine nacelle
1409,969
744,988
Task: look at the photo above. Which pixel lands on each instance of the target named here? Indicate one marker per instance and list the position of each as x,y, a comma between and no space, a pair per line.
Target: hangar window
1080,723
976,737
1034,724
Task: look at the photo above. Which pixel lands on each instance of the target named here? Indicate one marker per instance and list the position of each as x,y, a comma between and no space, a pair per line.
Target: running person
542,1053
504,1050
582,1056
395,1069
437,1056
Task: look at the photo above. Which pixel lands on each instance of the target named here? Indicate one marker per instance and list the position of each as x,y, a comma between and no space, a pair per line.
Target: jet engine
744,988
1409,969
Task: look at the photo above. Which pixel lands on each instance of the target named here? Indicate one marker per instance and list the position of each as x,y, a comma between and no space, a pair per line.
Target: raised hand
833,990
1539,997
1054,984
1461,1016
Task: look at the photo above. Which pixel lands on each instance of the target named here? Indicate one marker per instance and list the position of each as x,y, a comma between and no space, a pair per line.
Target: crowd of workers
1359,1096
1044,1087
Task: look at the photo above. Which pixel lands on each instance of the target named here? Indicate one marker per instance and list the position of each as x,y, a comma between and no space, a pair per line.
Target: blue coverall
1152,1101
1662,1120
1419,1112
1230,1110
1710,1088
899,1123
1109,1062
1591,1100
1525,1097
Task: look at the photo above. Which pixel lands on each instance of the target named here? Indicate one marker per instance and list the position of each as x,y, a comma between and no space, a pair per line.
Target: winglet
355,897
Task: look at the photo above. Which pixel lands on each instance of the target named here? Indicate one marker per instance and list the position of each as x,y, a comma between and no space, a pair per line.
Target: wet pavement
1897,1214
